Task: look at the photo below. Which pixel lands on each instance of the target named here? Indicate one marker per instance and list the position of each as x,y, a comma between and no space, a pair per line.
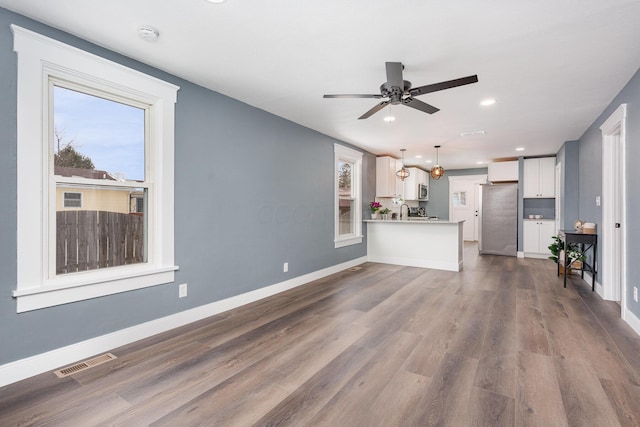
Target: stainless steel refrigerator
498,219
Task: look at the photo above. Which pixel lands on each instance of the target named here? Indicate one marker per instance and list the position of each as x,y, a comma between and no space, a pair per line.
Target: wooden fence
88,240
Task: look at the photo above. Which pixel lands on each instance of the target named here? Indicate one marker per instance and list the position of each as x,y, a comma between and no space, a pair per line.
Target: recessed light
418,156
520,149
487,102
389,119
216,1
479,163
428,161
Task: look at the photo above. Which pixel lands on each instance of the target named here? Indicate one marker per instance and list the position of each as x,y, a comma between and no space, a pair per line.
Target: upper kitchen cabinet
412,184
503,171
387,182
539,178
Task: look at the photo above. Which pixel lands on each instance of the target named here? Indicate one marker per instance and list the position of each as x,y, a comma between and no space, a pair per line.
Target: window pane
105,232
72,200
344,179
97,138
460,198
345,216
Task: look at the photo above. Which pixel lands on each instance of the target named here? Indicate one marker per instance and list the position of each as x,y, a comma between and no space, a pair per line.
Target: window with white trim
72,200
62,255
348,196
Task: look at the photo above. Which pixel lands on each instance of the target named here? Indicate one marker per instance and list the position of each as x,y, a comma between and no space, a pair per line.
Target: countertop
414,221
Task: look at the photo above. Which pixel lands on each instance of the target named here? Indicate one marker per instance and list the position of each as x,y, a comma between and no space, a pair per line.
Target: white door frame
614,246
476,180
559,212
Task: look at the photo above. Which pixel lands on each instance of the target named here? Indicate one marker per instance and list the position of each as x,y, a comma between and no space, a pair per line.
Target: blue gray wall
252,191
438,204
569,157
590,176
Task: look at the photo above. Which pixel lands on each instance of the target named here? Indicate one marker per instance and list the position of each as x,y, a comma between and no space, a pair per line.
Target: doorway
463,203
613,208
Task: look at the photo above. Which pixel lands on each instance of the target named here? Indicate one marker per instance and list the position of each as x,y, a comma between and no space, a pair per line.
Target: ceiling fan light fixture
403,173
437,171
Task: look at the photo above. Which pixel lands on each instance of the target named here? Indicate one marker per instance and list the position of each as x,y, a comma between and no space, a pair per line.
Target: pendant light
403,173
437,171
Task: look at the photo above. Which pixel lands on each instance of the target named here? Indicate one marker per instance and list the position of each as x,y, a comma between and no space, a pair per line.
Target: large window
95,175
348,196
98,144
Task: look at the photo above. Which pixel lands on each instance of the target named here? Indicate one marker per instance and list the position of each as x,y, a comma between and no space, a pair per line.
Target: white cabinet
387,182
416,177
503,171
536,237
539,178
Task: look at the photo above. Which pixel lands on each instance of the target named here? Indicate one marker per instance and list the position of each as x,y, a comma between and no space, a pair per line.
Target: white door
559,212
463,204
530,236
612,273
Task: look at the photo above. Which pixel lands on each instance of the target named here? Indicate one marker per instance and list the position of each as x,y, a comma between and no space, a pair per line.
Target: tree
68,156
344,177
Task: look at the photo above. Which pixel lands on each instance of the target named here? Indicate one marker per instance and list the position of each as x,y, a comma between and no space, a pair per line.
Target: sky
110,133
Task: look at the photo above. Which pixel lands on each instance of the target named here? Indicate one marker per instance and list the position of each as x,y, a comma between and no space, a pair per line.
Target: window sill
83,286
348,242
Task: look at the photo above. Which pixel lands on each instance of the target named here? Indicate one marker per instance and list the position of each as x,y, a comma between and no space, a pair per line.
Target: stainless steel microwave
423,192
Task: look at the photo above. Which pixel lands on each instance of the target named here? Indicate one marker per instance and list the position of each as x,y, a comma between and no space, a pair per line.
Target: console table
587,242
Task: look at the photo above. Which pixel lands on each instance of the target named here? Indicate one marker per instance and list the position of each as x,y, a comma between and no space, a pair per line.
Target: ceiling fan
399,91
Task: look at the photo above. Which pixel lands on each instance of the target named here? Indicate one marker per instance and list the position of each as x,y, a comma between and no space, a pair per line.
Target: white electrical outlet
285,267
635,294
597,200
182,290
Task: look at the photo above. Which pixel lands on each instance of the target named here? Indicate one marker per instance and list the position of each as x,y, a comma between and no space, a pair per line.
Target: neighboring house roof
82,173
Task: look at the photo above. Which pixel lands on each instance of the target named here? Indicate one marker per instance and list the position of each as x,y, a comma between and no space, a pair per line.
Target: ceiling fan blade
443,85
374,110
394,74
352,96
419,105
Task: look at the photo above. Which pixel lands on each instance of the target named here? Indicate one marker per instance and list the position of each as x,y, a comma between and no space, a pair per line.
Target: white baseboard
34,365
632,320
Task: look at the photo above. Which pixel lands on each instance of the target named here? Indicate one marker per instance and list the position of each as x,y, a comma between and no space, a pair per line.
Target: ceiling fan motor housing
395,93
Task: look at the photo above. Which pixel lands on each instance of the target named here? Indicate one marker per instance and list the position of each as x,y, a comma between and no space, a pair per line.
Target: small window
348,190
460,198
72,200
139,204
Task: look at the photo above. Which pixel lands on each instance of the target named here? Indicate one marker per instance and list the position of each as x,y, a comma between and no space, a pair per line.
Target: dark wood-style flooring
500,344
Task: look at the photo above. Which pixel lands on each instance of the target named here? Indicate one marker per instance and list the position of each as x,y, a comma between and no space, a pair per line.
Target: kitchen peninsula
433,244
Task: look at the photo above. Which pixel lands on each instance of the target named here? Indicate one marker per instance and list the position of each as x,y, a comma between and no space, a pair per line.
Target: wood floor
500,344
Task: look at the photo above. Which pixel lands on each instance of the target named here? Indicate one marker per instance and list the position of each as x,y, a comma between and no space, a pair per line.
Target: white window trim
39,59
64,199
347,154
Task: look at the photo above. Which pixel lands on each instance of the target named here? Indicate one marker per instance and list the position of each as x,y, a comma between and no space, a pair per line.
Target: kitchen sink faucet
401,214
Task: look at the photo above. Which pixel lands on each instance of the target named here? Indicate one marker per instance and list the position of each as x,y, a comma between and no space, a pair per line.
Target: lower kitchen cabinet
537,236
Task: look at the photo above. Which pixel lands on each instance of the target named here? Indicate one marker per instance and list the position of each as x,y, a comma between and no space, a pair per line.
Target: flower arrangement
374,206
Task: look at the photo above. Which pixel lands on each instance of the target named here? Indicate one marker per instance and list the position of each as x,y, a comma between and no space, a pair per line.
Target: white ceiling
552,65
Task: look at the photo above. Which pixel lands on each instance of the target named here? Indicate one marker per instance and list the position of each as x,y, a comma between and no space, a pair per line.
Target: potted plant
385,213
374,206
575,257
